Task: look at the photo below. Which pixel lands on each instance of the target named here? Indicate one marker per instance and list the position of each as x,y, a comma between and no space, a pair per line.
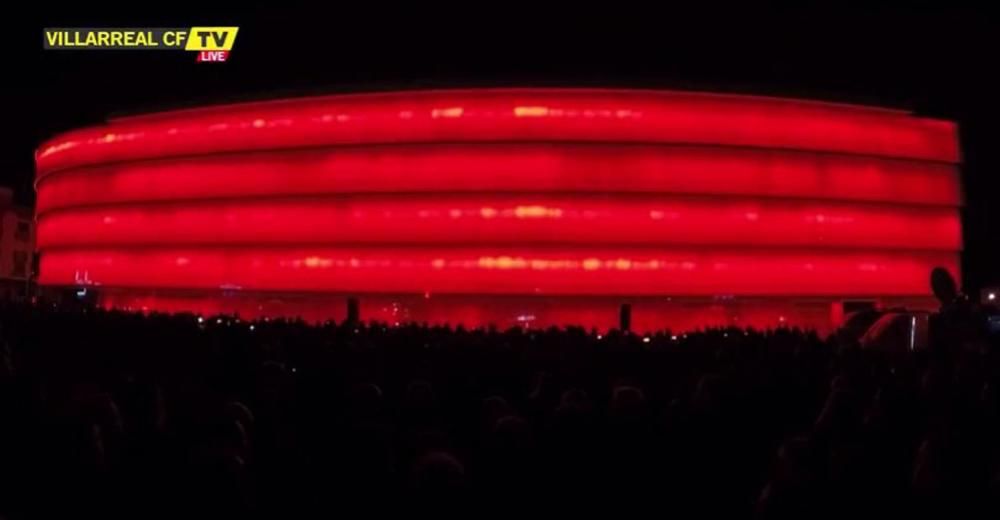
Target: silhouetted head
540,385
928,465
794,461
495,408
943,285
365,400
239,412
708,392
575,398
419,396
109,415
573,412
511,433
231,438
437,471
272,381
840,412
627,401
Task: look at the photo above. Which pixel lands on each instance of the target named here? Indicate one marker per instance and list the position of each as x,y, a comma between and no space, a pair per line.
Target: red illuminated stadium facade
506,206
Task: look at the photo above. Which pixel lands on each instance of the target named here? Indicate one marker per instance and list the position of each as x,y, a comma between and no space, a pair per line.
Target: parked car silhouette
898,331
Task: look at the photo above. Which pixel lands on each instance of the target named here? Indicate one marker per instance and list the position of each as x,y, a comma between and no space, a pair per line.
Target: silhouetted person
114,414
958,325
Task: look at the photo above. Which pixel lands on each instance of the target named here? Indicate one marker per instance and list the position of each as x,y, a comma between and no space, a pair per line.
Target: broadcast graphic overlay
213,44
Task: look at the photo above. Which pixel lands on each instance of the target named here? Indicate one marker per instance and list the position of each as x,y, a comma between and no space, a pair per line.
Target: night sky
941,63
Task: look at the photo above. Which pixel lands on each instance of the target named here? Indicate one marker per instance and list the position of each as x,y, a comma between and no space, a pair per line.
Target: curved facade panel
507,219
507,167
495,270
699,209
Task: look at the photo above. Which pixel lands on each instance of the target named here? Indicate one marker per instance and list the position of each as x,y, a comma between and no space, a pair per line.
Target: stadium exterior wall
510,206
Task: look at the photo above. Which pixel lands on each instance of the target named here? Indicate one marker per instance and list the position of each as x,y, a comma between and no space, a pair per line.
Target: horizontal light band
511,219
502,271
510,167
548,115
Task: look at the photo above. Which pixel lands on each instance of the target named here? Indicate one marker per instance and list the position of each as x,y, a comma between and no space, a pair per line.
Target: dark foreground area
136,416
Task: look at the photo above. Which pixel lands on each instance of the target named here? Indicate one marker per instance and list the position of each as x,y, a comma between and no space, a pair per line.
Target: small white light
294,370
218,320
201,320
725,334
992,296
600,336
913,331
251,327
673,338
645,339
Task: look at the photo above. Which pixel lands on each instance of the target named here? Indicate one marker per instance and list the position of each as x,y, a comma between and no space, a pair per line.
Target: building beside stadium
507,206
17,246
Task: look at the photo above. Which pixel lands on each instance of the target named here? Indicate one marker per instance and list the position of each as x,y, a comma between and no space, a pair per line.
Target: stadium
506,206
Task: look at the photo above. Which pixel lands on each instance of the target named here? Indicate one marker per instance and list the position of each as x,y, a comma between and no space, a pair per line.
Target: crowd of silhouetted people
129,415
